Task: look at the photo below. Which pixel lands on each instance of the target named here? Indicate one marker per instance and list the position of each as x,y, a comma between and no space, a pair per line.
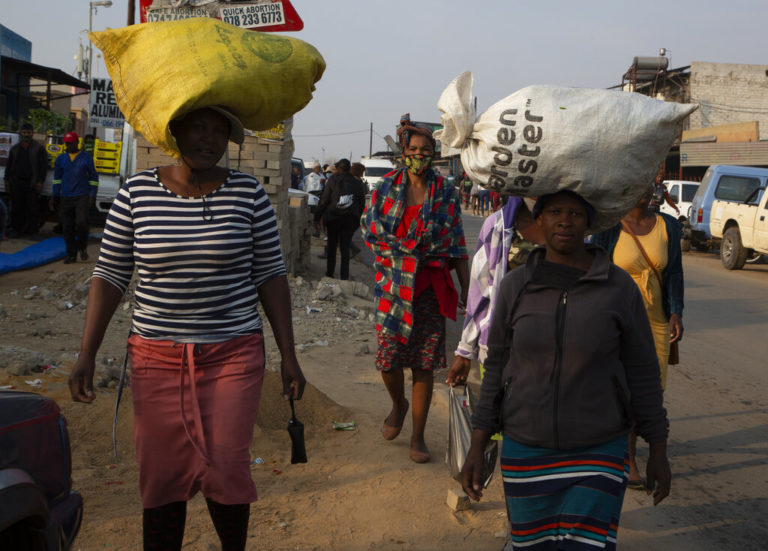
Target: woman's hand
103,298
472,471
675,328
81,380
463,299
275,297
293,378
657,473
459,371
462,273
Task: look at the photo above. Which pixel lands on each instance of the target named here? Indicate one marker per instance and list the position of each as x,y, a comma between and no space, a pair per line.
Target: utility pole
370,142
90,44
131,12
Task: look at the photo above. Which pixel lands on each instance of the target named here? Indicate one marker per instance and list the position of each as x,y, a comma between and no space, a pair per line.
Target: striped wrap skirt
564,499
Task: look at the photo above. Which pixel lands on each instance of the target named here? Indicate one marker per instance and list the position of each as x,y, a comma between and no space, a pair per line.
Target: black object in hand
296,431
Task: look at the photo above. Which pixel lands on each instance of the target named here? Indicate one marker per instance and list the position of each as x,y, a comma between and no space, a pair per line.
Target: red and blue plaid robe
398,260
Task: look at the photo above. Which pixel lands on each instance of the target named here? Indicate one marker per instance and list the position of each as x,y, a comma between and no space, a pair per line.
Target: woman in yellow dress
646,244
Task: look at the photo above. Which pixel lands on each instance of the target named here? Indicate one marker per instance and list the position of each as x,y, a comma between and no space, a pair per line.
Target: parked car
681,192
375,170
730,210
39,511
312,199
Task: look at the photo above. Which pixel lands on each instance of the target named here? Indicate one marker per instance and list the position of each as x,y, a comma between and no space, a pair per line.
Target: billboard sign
258,15
102,107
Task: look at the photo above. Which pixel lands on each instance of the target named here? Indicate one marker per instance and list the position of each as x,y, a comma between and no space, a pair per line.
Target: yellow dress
627,256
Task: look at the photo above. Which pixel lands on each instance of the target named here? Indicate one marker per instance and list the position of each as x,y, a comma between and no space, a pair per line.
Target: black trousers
340,232
25,207
74,222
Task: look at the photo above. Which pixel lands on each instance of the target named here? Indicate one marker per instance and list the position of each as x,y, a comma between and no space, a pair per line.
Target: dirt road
359,492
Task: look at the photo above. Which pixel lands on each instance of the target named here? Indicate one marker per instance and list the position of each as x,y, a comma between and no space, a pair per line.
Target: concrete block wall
729,93
270,161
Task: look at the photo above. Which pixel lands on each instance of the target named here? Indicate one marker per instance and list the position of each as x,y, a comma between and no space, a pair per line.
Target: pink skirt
195,406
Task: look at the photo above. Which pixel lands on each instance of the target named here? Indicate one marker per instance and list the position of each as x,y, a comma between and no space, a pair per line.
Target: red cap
71,137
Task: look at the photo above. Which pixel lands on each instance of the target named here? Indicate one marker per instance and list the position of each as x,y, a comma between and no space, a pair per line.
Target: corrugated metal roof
733,153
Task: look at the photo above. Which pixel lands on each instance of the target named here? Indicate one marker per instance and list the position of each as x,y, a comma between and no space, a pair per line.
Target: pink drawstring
188,353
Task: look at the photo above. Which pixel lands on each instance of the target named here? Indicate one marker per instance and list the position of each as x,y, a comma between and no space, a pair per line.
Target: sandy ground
357,492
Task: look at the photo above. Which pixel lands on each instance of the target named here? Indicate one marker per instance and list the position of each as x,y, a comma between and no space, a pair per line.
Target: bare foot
419,452
393,424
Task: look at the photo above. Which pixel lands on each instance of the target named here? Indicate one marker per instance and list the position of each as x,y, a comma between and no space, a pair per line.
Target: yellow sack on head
163,70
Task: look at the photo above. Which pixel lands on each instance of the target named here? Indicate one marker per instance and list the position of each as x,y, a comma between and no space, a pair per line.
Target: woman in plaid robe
413,225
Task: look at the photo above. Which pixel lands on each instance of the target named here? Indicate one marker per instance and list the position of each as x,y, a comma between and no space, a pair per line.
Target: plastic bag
162,70
460,410
605,145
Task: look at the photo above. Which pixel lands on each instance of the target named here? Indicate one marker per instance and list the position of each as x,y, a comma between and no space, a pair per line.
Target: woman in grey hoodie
571,364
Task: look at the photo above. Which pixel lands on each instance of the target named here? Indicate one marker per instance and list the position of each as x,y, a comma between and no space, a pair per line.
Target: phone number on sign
253,16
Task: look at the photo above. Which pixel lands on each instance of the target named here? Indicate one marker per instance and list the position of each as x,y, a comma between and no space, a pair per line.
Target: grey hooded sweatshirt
571,368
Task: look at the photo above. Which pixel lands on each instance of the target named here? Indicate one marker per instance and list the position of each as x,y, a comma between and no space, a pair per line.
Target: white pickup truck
739,218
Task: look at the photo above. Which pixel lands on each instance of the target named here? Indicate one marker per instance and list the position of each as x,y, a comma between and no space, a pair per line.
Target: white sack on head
605,145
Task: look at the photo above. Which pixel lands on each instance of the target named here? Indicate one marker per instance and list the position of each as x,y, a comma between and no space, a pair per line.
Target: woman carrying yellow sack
204,242
413,225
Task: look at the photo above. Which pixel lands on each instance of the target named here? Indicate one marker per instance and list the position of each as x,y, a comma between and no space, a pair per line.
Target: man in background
89,144
24,176
313,182
75,182
296,179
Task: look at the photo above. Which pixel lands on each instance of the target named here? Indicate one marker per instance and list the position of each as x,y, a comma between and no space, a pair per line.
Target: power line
332,134
733,108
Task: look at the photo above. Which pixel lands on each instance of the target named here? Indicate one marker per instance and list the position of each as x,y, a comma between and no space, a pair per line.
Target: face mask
417,164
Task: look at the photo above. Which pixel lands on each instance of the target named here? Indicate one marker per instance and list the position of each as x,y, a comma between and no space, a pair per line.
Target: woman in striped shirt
204,243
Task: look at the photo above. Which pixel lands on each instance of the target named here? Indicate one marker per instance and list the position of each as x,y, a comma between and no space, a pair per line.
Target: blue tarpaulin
47,250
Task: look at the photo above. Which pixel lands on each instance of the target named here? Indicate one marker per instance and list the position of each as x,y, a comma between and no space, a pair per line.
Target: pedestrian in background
296,179
570,364
340,206
504,243
450,179
475,194
313,182
24,176
484,196
89,144
328,171
413,226
466,190
357,170
646,245
496,201
75,183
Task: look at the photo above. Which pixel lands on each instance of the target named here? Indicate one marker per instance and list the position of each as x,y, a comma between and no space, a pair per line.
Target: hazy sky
388,58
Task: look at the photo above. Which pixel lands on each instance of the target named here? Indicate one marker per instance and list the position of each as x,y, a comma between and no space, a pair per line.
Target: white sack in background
605,145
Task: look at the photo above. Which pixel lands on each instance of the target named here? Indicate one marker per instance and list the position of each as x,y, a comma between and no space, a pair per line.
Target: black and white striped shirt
198,276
